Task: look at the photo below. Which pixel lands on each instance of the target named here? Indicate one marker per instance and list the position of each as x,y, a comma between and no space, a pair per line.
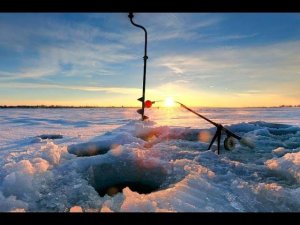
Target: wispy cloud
26,73
111,90
90,49
171,26
258,68
66,45
232,37
100,54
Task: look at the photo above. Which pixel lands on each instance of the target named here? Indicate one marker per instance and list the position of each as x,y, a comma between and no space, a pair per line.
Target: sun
169,102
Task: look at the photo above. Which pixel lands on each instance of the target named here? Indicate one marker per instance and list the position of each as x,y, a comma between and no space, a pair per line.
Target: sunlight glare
169,102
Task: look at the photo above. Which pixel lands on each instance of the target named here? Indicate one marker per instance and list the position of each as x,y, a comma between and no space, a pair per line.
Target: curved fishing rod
228,142
203,117
142,99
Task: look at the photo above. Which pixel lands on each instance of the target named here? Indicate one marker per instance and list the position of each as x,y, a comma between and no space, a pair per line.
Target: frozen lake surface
161,165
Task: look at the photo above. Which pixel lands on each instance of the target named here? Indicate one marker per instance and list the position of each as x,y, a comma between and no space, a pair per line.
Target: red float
148,104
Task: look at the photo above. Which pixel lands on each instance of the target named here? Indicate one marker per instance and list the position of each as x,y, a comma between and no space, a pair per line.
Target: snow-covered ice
106,160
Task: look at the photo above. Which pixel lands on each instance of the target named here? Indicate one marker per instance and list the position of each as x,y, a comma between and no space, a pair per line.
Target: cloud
26,73
241,69
171,26
85,48
232,37
5,74
54,50
20,31
90,49
111,90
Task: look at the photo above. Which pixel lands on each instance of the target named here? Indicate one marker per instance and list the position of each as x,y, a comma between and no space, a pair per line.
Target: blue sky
202,59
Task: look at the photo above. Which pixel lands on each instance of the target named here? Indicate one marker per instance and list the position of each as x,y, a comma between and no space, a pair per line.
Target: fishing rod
229,142
142,99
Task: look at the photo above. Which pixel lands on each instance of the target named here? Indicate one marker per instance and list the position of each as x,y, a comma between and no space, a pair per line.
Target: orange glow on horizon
188,96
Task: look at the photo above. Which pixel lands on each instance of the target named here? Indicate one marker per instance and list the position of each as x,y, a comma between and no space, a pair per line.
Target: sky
199,59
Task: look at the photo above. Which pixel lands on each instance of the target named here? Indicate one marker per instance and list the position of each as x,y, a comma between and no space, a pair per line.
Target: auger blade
141,99
140,111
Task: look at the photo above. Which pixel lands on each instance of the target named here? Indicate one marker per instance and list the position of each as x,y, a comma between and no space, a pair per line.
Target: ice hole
89,149
112,178
51,136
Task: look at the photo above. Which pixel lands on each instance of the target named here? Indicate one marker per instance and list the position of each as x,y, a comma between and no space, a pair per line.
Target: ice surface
171,154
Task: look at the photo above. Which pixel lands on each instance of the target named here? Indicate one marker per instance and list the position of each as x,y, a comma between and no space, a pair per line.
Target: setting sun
169,102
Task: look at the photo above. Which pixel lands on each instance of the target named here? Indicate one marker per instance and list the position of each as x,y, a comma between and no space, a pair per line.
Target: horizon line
87,106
